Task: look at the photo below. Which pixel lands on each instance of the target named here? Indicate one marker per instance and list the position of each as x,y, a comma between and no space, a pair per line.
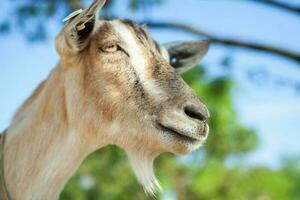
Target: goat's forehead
127,31
137,40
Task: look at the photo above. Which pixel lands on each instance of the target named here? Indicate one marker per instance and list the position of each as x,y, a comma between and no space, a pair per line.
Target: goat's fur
113,85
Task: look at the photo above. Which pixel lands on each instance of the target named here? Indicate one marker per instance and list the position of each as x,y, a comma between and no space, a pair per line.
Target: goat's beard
142,164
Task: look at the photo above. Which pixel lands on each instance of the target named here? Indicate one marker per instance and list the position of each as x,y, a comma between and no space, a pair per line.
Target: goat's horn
95,7
90,13
81,20
87,14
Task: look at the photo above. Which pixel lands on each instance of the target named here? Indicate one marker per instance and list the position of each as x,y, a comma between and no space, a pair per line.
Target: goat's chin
183,149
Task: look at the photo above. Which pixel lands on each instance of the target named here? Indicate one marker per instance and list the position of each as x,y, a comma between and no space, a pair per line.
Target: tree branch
279,5
224,41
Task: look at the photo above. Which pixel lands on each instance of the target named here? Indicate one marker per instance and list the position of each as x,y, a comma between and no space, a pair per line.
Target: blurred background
250,80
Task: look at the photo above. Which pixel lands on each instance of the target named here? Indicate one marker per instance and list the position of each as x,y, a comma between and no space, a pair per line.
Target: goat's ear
80,25
185,55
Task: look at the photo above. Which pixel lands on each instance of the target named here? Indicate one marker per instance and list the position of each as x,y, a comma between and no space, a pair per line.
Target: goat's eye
110,48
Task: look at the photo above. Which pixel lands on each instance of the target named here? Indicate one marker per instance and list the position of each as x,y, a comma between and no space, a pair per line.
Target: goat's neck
42,150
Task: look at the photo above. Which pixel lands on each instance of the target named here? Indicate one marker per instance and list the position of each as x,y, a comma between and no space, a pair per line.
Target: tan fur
92,99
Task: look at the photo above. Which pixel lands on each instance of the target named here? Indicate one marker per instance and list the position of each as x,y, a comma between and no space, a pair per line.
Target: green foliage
216,181
205,174
109,175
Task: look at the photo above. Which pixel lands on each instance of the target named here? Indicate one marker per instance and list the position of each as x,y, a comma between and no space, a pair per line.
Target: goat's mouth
179,135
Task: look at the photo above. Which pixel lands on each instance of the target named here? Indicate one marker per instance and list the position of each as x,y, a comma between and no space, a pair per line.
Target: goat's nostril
196,113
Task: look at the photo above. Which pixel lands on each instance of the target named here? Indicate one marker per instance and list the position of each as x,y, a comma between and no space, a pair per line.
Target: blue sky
272,110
